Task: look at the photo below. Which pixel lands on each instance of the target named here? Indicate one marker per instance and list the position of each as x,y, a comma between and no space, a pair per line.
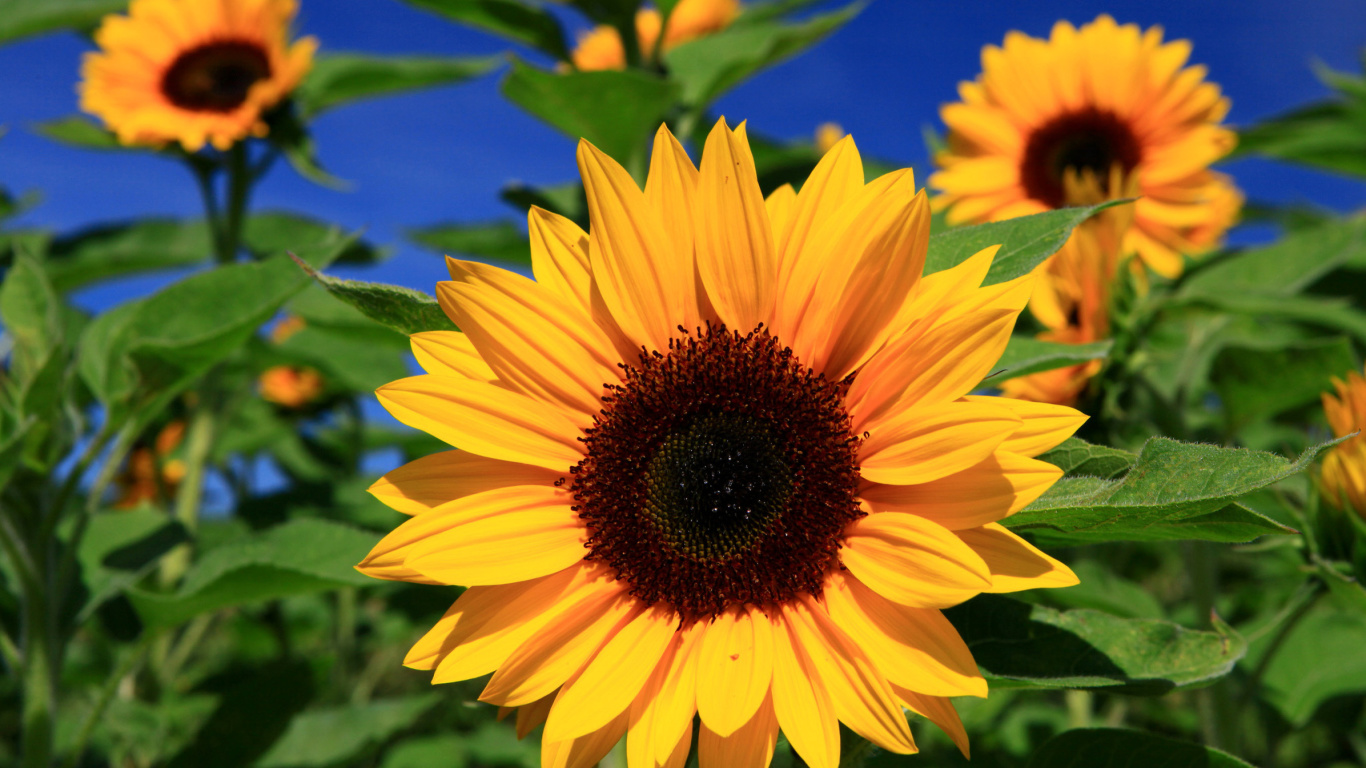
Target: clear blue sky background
443,154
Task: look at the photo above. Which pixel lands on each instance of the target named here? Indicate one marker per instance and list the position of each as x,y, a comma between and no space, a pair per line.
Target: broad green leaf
445,750
1121,748
79,131
1321,658
119,548
107,251
1025,355
1025,242
713,64
1078,457
1334,314
1330,135
255,706
340,78
22,18
1018,645
359,359
272,233
498,241
306,555
616,111
336,735
1174,491
1101,589
1285,267
403,309
510,19
289,132
1255,382
30,312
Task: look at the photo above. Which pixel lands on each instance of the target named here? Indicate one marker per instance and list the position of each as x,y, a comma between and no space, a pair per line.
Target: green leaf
1121,748
1025,241
1328,135
290,134
121,547
403,309
332,736
103,252
31,314
1255,383
1283,268
617,111
78,131
360,359
713,64
274,233
1319,659
1018,645
500,241
1334,314
307,555
446,750
509,19
1078,457
565,199
255,707
1174,491
23,18
1025,355
340,78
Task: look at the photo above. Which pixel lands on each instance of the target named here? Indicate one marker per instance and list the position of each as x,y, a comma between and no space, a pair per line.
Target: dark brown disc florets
719,473
215,77
1091,139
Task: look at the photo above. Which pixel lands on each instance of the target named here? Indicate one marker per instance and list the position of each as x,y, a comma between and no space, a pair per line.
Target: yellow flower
149,470
290,386
1096,98
601,48
718,459
193,71
1343,477
1072,294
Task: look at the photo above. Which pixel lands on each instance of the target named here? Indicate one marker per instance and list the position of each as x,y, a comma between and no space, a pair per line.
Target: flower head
601,48
720,459
150,472
1101,98
1343,477
193,71
290,386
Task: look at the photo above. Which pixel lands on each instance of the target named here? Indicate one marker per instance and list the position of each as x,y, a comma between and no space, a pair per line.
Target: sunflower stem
1214,703
198,443
240,178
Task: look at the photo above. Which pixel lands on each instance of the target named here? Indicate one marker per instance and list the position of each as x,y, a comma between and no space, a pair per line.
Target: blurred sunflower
719,459
1098,98
601,48
150,473
193,71
1343,477
290,386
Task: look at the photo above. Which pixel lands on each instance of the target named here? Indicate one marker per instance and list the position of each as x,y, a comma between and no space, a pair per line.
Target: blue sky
442,155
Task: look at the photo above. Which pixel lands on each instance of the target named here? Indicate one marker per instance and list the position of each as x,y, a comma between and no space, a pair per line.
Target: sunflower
718,459
290,386
1097,98
1343,477
193,71
1072,294
151,473
601,48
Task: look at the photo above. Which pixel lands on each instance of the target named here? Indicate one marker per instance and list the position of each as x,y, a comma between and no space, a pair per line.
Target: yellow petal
749,746
560,649
780,204
836,179
584,751
671,189
1043,425
559,255
735,253
1015,563
504,548
678,758
916,648
939,711
921,444
912,561
485,419
532,715
861,696
1001,485
734,668
450,353
803,708
635,267
442,477
614,677
641,734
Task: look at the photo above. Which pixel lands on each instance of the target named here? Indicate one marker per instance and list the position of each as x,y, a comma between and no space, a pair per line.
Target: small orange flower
149,470
601,48
827,136
291,386
1343,477
193,71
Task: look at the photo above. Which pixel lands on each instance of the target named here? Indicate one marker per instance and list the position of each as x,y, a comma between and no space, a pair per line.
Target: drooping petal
438,478
734,668
584,751
735,253
939,710
749,746
666,704
1043,425
1015,563
912,561
1001,485
920,444
504,548
803,707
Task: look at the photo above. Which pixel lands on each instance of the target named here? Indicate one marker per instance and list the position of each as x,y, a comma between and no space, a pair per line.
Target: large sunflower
1097,98
718,459
193,71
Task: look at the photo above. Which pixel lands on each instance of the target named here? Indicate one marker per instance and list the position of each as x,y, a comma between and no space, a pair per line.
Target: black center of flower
722,472
1092,139
216,77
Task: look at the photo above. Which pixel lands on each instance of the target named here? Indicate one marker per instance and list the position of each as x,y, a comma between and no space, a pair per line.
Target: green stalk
239,192
106,695
40,683
198,443
1217,717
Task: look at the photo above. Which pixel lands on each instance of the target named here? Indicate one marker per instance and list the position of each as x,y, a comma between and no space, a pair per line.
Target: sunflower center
215,77
721,473
1093,139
